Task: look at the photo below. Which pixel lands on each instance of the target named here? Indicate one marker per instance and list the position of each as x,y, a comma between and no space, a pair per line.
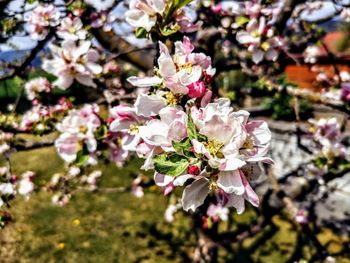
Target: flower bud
196,89
193,169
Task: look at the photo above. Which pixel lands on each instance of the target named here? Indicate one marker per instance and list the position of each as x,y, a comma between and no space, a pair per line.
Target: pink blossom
36,86
143,13
77,129
71,28
72,62
41,19
177,72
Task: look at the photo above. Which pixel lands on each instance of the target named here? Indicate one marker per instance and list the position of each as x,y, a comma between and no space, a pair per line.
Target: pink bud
169,188
196,89
193,169
216,8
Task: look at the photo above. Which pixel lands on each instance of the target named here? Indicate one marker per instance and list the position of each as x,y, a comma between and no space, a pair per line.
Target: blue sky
23,43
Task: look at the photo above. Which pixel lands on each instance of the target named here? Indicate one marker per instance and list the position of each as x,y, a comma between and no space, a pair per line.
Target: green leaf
141,32
191,128
181,3
172,165
101,132
183,147
167,31
82,157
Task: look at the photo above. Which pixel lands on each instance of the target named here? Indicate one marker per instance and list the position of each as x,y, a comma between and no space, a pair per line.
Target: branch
19,70
286,13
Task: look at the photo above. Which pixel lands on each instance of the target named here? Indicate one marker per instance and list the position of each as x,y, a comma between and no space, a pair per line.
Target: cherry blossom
41,19
71,28
77,131
36,86
179,72
143,13
73,62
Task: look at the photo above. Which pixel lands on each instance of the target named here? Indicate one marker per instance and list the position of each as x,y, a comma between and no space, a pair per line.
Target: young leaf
183,147
181,3
172,165
191,129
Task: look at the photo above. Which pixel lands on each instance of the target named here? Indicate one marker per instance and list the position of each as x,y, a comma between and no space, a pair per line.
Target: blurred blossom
71,28
41,19
311,53
345,14
102,19
36,86
73,62
217,212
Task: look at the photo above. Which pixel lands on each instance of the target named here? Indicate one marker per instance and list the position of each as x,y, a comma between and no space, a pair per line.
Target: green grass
118,227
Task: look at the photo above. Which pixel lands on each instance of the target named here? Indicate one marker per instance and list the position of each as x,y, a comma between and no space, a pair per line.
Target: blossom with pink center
36,86
72,28
41,19
177,72
73,62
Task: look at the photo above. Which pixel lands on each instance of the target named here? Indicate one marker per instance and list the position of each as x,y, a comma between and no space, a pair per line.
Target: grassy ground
117,227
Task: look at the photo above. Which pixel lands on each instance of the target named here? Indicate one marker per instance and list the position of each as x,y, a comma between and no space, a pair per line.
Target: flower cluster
326,142
39,118
252,24
189,140
10,185
172,17
41,19
77,138
185,73
5,139
63,184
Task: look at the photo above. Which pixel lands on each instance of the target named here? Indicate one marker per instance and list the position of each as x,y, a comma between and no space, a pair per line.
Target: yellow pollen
187,66
213,186
83,129
249,143
214,147
71,30
173,99
265,46
133,129
255,33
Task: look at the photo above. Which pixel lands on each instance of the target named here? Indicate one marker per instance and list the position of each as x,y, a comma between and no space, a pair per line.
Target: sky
24,43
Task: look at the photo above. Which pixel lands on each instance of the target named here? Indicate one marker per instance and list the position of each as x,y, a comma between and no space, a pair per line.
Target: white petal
145,81
231,182
162,180
194,194
236,201
258,56
180,180
149,105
